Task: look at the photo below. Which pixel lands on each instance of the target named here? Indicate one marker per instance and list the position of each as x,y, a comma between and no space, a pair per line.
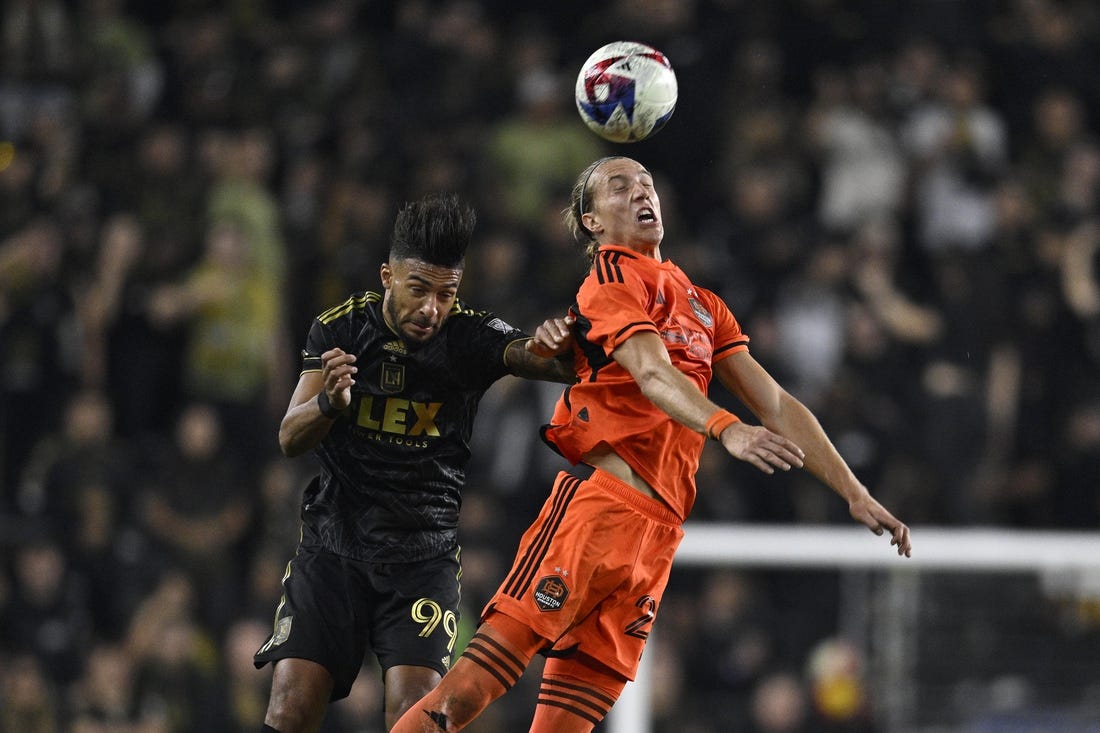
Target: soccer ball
626,91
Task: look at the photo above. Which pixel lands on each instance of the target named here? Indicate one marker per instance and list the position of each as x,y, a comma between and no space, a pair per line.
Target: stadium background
899,200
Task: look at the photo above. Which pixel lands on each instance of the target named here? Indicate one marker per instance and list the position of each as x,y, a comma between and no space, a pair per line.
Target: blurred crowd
900,201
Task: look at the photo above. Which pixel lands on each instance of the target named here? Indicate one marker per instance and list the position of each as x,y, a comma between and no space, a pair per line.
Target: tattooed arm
547,356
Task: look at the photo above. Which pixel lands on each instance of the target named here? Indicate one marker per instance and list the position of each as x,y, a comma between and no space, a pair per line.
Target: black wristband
326,407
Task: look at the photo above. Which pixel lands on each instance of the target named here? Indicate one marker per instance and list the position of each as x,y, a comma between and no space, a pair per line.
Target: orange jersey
624,294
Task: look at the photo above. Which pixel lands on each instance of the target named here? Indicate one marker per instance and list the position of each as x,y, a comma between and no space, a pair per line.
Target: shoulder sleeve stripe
600,276
352,303
310,363
615,264
634,325
732,345
607,268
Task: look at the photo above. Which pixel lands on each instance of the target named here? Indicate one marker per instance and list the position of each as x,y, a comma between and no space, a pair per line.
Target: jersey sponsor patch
550,593
282,630
500,325
703,314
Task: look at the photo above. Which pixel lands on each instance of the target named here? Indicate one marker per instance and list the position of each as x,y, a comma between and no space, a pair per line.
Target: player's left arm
782,413
547,356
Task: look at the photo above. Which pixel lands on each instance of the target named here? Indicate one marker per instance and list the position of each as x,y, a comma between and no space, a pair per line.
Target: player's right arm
305,423
645,357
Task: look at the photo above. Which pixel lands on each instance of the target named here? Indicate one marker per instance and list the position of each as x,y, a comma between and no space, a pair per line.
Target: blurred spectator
37,367
124,352
960,146
778,705
864,169
1058,121
197,504
178,678
534,154
83,451
838,687
1077,501
78,482
246,690
810,312
232,312
113,555
731,652
166,197
28,701
104,699
47,614
173,659
37,39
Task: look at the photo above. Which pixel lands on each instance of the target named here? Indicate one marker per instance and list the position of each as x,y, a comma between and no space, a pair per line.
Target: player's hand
553,337
338,372
761,447
867,511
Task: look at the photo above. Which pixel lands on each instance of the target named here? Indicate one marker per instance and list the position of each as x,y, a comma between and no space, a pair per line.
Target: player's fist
553,337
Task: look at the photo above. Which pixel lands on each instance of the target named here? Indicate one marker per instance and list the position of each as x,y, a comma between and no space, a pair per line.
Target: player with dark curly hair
389,387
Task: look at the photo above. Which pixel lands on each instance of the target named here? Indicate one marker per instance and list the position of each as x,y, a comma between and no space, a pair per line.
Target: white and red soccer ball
626,91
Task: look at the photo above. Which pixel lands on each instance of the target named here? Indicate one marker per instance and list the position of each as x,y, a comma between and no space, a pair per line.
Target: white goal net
981,631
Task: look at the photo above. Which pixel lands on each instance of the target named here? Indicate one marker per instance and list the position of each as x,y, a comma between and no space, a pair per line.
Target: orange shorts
590,572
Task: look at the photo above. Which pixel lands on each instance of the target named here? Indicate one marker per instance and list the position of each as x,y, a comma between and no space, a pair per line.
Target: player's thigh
300,692
415,613
318,618
616,630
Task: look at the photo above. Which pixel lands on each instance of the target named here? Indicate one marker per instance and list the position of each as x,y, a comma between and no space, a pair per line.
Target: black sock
268,729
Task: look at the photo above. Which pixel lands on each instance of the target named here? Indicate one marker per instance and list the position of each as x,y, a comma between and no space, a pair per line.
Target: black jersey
393,464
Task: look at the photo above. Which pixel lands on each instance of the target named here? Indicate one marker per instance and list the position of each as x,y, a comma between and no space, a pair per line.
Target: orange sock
492,663
575,695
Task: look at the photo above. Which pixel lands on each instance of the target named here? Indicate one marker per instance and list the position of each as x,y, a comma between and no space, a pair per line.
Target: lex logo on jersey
398,416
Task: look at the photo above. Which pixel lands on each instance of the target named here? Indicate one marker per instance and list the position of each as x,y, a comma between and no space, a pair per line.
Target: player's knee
400,696
463,694
289,713
399,702
299,695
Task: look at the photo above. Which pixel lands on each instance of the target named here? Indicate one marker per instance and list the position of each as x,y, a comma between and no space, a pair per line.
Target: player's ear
387,275
591,223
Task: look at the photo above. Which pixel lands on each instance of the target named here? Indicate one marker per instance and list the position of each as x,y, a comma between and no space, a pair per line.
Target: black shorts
334,608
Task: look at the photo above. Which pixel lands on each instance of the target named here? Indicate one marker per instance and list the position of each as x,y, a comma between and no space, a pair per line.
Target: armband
327,408
719,421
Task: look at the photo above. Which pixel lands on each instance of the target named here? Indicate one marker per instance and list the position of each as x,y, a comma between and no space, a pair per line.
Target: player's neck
646,250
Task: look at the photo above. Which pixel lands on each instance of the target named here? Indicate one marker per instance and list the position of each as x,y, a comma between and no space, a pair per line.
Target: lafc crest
393,377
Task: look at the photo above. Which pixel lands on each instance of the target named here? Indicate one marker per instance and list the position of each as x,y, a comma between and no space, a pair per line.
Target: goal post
944,549
945,564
